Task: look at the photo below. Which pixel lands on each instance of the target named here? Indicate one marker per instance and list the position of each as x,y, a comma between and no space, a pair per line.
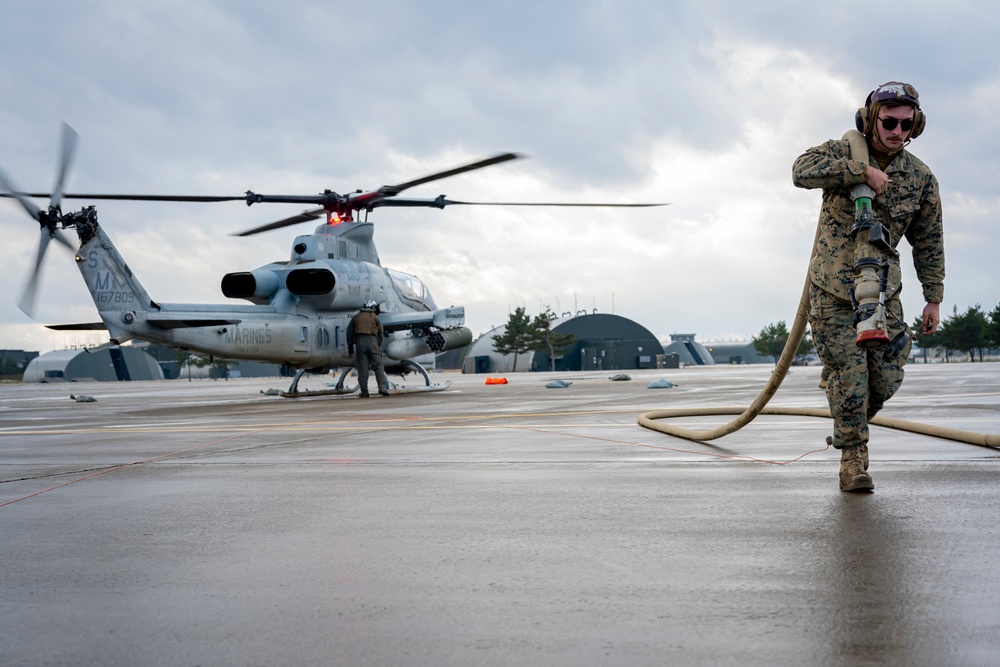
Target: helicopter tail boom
116,291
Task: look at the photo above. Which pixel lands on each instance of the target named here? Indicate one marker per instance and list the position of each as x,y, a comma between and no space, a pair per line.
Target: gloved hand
350,350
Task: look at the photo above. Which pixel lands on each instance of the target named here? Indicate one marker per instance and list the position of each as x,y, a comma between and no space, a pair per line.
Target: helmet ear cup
919,121
861,120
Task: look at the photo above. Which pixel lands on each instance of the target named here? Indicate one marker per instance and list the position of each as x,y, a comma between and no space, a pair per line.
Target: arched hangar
604,342
102,365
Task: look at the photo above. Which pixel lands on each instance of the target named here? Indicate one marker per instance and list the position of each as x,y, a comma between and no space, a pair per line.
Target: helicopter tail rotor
27,301
48,220
26,204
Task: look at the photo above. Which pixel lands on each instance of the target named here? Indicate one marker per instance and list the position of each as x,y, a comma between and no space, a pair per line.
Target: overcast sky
702,104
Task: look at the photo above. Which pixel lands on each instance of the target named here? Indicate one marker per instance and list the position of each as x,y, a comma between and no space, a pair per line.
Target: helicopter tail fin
116,291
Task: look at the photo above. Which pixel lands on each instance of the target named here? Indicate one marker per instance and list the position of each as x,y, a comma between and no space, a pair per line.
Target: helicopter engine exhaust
310,282
438,341
257,286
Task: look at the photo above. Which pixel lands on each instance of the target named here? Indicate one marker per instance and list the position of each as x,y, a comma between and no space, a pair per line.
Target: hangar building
603,342
688,350
736,352
104,365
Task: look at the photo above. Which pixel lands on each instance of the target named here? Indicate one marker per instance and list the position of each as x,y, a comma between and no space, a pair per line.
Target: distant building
603,342
101,365
689,351
736,352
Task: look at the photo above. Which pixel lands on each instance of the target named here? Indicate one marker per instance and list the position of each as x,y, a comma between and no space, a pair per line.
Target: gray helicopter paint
302,331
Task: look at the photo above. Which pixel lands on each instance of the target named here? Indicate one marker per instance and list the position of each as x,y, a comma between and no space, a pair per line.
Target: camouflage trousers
368,356
860,380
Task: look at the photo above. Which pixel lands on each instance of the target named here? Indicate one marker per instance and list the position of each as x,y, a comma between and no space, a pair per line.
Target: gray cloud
704,104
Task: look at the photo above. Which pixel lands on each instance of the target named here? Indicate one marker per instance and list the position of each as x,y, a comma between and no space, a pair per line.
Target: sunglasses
891,123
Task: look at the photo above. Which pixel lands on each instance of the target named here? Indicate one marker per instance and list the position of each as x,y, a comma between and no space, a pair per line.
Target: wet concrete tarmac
204,523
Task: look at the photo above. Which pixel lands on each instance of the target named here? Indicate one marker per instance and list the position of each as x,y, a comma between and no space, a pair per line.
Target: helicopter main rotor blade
437,202
69,141
366,200
294,220
393,190
369,200
584,204
441,202
190,198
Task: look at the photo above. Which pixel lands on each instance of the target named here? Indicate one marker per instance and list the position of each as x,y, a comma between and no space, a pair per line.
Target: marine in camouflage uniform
364,340
908,203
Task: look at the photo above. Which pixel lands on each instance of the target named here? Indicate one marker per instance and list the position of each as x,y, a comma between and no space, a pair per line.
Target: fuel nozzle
868,300
871,271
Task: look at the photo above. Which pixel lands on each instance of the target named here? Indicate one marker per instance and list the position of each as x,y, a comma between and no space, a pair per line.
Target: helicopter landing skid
428,386
339,389
319,392
395,389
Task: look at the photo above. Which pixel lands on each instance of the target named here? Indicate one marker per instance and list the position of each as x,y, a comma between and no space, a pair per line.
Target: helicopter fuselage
300,308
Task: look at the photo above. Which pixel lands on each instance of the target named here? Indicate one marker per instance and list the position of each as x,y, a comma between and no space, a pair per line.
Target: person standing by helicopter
364,341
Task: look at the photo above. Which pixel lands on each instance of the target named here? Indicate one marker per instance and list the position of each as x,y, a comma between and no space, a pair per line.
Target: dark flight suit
364,339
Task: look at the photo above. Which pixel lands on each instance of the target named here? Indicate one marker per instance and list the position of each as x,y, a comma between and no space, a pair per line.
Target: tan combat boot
853,462
863,448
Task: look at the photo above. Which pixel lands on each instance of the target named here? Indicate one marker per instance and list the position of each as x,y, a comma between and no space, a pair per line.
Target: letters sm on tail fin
117,293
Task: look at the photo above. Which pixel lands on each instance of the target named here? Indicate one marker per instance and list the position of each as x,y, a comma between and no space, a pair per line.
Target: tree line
526,334
972,332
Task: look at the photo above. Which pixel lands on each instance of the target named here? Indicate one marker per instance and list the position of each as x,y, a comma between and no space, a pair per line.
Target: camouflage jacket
910,208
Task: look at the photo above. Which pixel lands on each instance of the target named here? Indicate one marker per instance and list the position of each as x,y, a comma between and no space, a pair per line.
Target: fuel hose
650,420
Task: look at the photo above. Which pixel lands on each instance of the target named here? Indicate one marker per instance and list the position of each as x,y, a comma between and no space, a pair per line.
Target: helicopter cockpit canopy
412,290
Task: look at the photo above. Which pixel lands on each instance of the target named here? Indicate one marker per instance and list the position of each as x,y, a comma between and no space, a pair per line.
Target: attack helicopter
300,308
